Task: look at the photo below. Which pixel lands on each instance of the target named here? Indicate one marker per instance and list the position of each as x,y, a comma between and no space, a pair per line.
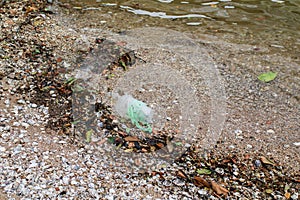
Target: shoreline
37,41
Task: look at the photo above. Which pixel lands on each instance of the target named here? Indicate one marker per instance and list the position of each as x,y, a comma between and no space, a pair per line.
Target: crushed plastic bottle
137,111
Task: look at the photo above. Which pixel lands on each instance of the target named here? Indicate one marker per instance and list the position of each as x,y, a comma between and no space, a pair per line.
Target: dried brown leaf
181,174
160,145
287,195
266,161
199,181
170,146
219,189
131,139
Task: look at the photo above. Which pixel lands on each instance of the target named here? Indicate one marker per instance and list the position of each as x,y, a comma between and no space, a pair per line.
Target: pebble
25,125
66,180
33,105
257,163
270,131
179,182
238,132
297,144
202,192
31,122
7,102
220,171
35,143
17,149
2,148
295,196
21,101
45,157
33,165
16,124
2,119
74,182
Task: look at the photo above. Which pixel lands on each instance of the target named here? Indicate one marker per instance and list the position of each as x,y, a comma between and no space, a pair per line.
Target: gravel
258,157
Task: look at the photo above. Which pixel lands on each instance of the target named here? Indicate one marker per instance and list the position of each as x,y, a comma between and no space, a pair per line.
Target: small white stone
33,165
23,131
2,149
109,197
7,101
231,146
25,125
112,191
270,131
74,182
6,128
45,157
202,192
21,101
295,196
66,180
16,124
220,171
249,146
33,105
296,144
2,119
31,122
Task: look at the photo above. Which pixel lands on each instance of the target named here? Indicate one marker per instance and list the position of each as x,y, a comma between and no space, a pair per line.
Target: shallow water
271,14
274,22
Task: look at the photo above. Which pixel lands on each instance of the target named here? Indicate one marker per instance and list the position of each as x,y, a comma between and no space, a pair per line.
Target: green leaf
77,88
111,140
287,187
75,122
267,77
36,51
89,135
178,143
203,171
110,76
70,81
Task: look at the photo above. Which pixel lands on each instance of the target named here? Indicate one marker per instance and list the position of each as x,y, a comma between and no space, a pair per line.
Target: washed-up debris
264,160
137,111
219,174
